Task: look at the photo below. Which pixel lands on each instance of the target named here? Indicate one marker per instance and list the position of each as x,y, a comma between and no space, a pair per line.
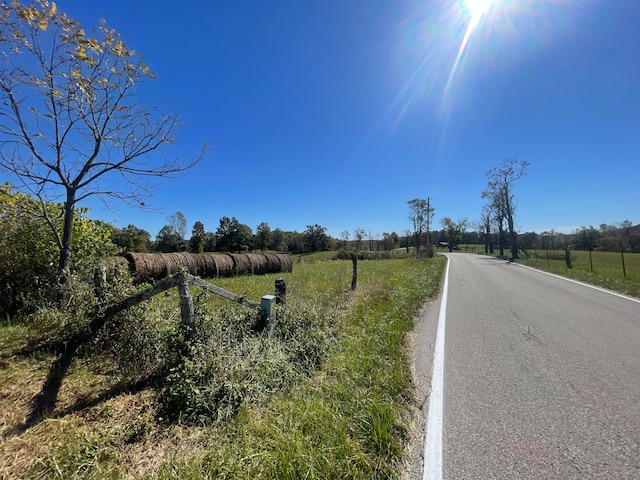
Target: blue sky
338,112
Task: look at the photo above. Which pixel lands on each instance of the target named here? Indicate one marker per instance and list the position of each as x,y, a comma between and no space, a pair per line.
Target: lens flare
478,8
440,40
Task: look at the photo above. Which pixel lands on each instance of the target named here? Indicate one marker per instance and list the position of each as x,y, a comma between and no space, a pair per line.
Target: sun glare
477,8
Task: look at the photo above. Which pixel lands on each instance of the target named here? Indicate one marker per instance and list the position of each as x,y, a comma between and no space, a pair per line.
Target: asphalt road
541,376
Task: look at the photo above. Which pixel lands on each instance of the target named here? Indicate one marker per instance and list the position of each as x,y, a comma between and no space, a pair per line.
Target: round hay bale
273,263
258,263
286,264
190,262
241,263
263,264
173,261
143,265
210,268
224,265
197,263
200,264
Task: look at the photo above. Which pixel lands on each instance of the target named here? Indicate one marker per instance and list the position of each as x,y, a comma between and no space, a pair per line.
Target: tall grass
327,395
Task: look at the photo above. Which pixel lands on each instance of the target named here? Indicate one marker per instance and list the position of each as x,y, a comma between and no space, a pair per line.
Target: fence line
181,281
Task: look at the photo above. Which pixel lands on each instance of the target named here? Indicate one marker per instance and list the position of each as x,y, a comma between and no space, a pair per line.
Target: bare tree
69,122
500,192
178,223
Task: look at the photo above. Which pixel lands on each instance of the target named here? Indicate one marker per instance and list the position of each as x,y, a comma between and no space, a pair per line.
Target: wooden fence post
281,291
567,257
354,278
186,304
100,281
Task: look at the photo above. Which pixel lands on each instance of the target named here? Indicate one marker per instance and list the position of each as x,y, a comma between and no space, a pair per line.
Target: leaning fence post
186,304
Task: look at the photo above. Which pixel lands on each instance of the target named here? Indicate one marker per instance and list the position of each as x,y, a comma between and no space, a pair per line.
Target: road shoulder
421,344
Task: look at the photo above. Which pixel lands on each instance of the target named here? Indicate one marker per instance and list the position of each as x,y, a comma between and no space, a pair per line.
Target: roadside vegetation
327,395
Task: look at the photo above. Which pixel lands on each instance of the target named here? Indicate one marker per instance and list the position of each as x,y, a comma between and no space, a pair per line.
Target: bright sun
477,8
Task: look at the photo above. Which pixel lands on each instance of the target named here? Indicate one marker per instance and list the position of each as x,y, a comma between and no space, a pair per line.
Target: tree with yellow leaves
68,116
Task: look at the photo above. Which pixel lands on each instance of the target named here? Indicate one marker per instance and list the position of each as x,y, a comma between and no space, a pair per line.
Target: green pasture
333,255
607,268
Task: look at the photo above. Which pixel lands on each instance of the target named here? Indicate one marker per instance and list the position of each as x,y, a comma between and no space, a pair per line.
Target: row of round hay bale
159,265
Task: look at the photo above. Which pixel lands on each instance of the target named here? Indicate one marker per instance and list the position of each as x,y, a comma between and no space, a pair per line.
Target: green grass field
607,267
347,414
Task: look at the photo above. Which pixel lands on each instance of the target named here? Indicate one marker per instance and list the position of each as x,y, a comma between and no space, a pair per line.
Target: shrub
29,253
363,255
230,362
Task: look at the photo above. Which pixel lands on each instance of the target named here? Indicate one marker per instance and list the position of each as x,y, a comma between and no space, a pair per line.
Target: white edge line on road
579,283
433,445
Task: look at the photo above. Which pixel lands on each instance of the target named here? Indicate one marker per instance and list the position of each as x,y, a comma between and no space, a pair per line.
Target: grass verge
607,268
604,269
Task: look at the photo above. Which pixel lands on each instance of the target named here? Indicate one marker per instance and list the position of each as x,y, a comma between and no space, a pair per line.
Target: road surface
540,377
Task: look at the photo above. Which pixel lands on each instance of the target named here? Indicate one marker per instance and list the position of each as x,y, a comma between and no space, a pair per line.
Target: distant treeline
233,236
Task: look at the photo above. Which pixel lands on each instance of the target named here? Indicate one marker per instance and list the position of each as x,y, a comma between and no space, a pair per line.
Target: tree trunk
64,263
513,237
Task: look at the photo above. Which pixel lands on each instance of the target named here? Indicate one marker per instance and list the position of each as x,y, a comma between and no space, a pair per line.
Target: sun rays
477,9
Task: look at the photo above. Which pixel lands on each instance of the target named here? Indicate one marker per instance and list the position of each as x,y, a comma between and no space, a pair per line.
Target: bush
29,253
55,325
344,255
230,362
